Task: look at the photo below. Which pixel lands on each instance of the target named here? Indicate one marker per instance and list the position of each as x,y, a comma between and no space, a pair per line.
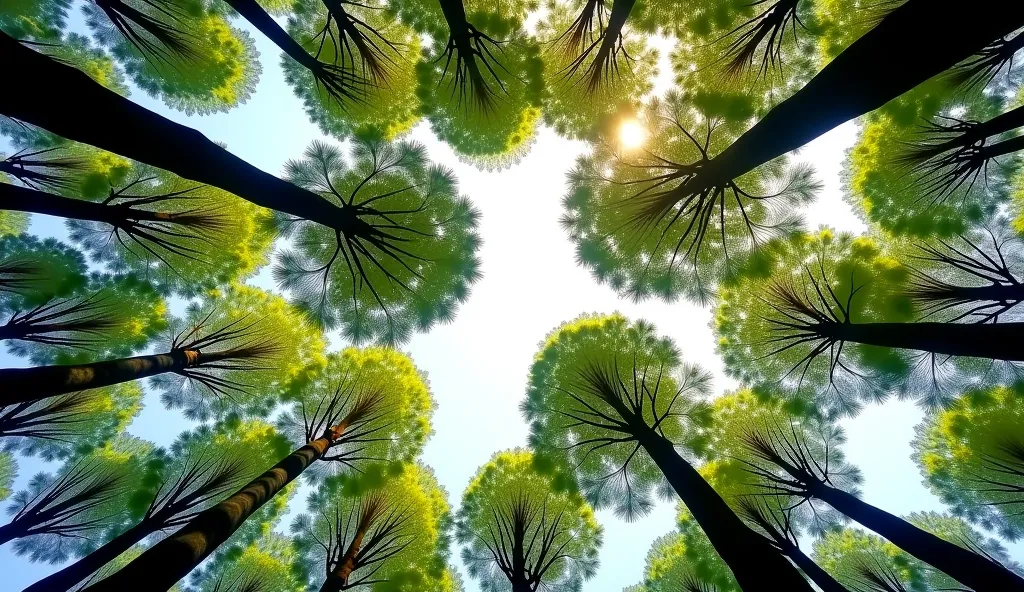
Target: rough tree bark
163,564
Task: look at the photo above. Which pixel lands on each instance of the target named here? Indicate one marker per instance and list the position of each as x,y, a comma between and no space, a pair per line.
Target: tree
40,21
114,566
955,530
232,352
71,424
183,236
77,51
924,164
34,271
480,82
263,566
741,59
342,420
631,232
867,563
179,51
8,472
972,456
594,63
111,317
412,267
524,529
57,514
200,469
367,46
876,68
386,527
610,401
973,277
827,318
685,561
802,468
748,484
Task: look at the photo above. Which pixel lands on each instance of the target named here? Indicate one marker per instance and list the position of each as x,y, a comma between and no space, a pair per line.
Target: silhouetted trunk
1002,148
812,570
913,43
970,569
976,294
163,564
254,13
80,570
22,199
40,382
460,35
1000,124
998,341
612,32
755,563
104,119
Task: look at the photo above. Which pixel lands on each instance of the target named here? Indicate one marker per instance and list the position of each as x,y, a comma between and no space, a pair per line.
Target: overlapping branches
158,31
767,27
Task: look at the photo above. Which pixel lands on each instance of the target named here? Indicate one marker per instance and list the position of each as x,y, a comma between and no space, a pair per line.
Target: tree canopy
972,456
523,529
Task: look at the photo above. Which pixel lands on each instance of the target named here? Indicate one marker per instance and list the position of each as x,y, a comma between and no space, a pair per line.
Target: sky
477,366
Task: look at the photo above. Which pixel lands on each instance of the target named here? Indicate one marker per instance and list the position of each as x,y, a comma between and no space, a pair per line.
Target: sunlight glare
632,134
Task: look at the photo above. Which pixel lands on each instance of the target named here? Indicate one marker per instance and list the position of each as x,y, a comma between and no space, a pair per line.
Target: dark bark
915,42
749,555
970,569
112,122
1003,148
812,570
163,564
976,294
80,570
254,13
612,36
40,382
998,341
22,199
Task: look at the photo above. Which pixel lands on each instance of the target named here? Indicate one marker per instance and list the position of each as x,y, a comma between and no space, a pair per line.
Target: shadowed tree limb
341,84
883,64
807,477
181,150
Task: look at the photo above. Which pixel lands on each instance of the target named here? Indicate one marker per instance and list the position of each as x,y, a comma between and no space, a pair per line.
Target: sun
632,134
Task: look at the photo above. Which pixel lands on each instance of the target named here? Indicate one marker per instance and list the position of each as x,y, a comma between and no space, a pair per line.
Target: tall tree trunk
975,294
755,563
970,569
22,199
616,22
812,570
338,580
998,341
112,122
913,43
40,382
78,571
163,564
254,13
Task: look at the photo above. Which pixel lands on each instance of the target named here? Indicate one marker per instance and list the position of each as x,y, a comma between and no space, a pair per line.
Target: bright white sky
478,365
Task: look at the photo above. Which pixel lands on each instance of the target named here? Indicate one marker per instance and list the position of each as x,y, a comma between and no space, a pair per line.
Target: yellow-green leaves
594,381
972,456
392,521
378,393
260,343
377,55
579,89
266,564
686,558
510,504
197,63
8,472
851,556
761,317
